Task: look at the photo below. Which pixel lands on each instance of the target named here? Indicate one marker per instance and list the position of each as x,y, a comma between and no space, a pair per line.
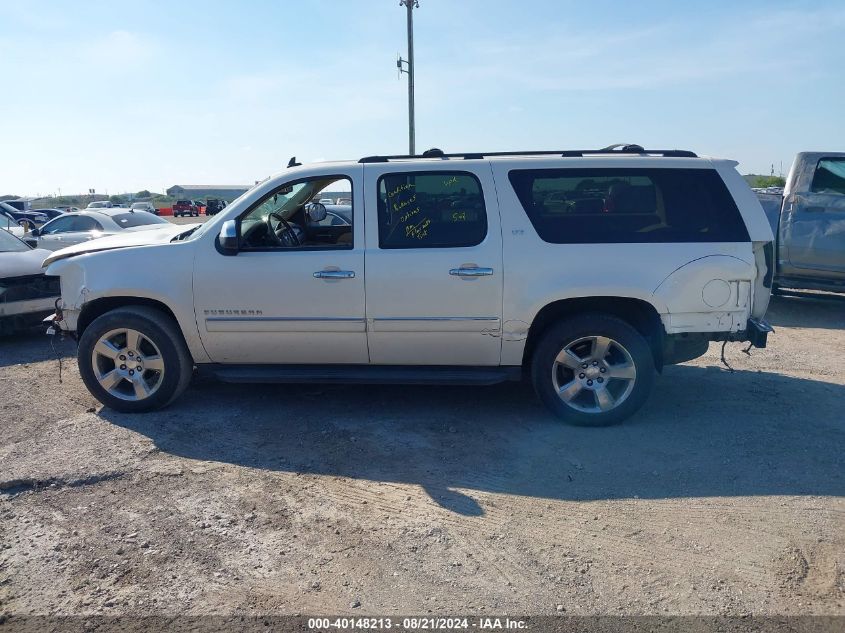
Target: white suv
587,271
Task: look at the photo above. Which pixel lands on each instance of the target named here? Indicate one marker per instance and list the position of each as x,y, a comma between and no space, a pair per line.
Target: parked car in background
144,206
347,201
185,207
100,204
808,220
213,206
325,201
10,224
66,208
73,228
657,253
27,295
52,213
27,219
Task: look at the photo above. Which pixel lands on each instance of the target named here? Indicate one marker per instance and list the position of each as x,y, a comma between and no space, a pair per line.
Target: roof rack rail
620,148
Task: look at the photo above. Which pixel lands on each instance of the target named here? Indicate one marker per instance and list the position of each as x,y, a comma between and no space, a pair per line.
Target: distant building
225,192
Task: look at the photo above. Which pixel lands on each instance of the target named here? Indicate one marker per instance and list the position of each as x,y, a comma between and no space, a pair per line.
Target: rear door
434,264
813,229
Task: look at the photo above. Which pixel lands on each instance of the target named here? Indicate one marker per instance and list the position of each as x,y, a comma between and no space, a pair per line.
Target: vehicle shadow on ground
704,432
33,346
825,311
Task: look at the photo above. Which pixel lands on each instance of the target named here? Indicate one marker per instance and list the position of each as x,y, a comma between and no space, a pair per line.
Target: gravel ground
724,495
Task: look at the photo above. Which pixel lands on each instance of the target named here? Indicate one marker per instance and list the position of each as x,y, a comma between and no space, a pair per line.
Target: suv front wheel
593,370
134,359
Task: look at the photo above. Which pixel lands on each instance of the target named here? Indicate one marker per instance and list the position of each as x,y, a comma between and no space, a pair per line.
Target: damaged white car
27,295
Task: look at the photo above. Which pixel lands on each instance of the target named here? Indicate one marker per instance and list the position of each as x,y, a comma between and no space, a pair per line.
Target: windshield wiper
182,236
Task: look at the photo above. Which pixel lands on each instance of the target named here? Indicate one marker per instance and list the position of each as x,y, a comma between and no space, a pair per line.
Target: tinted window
71,223
611,206
829,176
84,223
430,210
137,218
60,225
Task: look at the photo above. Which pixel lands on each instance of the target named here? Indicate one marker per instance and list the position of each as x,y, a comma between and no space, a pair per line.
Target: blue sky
122,96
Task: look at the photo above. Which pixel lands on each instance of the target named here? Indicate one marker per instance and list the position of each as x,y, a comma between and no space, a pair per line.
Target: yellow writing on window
400,189
407,216
451,181
418,230
459,216
398,206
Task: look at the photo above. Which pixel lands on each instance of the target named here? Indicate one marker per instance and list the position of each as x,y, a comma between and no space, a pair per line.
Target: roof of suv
613,152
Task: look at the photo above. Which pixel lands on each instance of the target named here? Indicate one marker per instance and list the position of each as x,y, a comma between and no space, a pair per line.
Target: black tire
566,332
157,327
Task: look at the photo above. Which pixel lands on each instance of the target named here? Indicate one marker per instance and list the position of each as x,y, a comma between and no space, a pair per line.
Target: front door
68,230
294,293
813,227
434,264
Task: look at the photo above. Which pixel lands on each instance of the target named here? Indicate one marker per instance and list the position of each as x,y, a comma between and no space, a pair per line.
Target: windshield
10,244
287,201
197,232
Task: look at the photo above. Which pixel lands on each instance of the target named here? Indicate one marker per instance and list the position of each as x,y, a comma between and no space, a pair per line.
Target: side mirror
316,212
227,240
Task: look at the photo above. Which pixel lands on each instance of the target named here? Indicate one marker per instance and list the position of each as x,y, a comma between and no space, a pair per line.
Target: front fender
161,273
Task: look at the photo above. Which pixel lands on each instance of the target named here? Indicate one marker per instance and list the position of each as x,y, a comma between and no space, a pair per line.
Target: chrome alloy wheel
127,364
594,374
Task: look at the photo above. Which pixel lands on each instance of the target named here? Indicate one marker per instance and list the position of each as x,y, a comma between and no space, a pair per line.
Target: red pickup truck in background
185,207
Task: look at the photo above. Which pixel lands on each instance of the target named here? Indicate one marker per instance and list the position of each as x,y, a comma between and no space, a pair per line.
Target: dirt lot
725,495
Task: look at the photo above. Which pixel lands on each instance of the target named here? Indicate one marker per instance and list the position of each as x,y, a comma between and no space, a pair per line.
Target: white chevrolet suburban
587,271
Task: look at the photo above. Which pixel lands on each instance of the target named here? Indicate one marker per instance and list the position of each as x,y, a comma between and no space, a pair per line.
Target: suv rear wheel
134,359
593,370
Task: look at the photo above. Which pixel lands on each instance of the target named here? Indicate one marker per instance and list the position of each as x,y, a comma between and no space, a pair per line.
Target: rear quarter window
613,206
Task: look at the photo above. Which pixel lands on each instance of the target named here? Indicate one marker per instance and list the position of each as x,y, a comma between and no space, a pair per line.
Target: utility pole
408,68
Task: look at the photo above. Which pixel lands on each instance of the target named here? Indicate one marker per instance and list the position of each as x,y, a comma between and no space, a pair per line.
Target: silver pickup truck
808,220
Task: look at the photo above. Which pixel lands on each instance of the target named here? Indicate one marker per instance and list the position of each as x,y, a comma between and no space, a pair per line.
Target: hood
124,239
22,263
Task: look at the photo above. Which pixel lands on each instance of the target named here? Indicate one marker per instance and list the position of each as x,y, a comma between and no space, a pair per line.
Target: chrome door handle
334,274
471,272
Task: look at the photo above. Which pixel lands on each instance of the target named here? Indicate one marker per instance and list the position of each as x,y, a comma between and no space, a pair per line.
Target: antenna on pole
408,68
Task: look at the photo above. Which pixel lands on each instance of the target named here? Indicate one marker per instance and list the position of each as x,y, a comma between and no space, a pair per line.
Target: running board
361,374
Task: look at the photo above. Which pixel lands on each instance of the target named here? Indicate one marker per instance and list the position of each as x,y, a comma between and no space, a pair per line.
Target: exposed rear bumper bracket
756,332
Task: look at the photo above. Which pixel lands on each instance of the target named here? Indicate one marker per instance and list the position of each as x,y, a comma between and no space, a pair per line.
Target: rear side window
829,176
84,223
439,209
618,206
138,218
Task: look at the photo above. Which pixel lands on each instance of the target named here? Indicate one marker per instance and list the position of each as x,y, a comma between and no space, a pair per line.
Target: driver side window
312,213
